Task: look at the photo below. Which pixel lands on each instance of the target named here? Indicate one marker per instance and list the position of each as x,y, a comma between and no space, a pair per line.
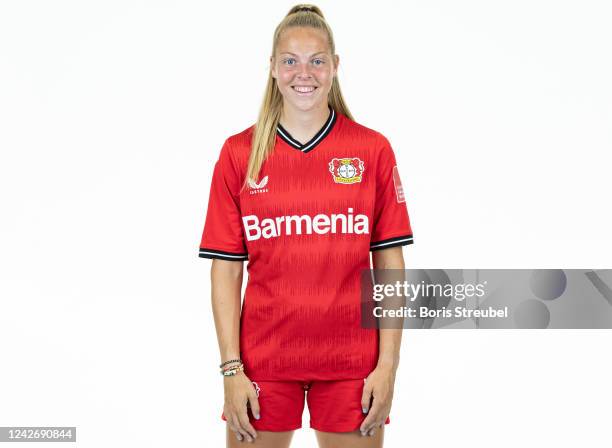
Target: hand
379,387
240,393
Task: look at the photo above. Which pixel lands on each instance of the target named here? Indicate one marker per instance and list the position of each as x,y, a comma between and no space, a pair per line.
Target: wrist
230,362
231,354
388,362
235,376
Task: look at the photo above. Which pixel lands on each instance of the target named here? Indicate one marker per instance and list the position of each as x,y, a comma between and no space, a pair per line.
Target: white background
112,115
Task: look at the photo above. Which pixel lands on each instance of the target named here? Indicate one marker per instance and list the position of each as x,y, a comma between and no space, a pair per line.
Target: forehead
302,40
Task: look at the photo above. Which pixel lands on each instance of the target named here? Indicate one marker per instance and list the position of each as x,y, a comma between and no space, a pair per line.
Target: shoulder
375,140
241,140
237,147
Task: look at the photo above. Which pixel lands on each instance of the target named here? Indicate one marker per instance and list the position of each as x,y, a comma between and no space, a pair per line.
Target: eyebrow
293,54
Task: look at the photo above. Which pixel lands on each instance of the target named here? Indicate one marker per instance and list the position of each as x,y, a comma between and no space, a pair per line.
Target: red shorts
334,406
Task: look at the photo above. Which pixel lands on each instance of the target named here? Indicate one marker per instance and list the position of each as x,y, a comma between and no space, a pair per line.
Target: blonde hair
264,135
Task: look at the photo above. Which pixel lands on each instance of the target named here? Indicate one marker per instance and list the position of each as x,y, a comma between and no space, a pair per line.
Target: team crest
346,171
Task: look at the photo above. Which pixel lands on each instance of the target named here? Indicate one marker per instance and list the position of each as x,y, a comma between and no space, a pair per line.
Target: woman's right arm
226,281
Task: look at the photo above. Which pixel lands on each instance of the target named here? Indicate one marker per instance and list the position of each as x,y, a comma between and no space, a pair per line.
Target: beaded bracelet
231,360
230,367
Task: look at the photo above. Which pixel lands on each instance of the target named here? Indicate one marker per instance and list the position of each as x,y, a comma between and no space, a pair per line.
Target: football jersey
306,227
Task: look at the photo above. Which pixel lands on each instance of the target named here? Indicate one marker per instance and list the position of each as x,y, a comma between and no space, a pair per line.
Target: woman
304,195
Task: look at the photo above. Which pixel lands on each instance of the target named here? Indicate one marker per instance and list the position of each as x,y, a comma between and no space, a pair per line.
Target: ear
272,67
336,64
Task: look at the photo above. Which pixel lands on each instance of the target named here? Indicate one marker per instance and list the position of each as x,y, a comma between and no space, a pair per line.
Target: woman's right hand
240,393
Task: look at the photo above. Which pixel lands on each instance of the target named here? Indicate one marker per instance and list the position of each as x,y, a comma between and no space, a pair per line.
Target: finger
366,398
372,418
376,425
246,425
254,402
366,425
230,422
234,430
369,429
238,428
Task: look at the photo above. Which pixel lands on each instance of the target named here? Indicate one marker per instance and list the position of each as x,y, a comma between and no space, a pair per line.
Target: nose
304,72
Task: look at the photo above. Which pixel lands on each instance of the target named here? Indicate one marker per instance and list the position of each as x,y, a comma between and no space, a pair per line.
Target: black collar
314,141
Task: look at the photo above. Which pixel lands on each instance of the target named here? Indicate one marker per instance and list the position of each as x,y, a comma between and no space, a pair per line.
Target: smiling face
304,68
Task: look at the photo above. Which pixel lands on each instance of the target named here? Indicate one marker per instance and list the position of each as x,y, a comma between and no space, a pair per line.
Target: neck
303,125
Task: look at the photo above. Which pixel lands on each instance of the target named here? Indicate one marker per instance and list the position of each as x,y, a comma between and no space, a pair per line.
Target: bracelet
230,367
232,371
231,360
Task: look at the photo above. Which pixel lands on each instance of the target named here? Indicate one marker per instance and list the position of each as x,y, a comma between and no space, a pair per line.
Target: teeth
303,89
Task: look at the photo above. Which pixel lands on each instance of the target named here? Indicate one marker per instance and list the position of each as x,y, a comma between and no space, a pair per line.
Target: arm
380,383
390,339
226,285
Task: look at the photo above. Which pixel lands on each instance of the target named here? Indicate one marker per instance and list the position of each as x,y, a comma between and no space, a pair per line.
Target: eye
288,60
318,61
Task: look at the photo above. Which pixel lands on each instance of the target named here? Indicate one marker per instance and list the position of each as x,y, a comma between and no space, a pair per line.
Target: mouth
304,90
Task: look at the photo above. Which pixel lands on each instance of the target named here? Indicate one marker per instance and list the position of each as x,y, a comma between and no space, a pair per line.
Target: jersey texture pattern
306,227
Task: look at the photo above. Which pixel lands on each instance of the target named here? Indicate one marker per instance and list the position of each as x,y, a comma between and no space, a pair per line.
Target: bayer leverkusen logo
346,171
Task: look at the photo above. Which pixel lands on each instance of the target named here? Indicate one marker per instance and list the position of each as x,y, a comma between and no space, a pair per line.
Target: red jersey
307,227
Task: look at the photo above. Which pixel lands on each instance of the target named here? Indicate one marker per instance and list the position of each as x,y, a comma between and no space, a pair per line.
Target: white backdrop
112,115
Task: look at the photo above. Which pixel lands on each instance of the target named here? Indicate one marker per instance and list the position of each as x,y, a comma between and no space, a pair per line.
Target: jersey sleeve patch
397,182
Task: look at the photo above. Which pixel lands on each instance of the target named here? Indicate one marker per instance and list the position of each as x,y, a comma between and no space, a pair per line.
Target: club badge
347,170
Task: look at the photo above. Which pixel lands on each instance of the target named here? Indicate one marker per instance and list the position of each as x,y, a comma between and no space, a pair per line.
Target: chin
306,105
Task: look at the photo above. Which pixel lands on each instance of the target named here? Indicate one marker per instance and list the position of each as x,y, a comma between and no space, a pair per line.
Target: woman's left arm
378,388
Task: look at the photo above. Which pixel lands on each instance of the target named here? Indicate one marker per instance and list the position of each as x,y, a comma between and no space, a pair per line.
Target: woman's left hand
379,387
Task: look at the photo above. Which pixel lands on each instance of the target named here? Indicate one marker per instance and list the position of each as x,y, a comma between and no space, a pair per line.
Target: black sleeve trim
222,255
391,242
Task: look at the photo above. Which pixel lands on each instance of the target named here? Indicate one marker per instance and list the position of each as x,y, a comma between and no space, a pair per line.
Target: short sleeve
391,224
223,236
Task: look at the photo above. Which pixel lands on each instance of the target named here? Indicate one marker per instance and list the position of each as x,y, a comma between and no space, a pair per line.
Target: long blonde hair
264,135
